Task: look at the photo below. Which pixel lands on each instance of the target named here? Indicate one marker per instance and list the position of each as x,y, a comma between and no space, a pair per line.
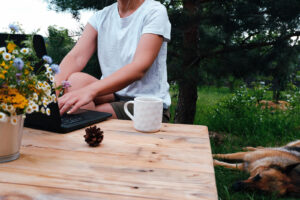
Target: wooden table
174,163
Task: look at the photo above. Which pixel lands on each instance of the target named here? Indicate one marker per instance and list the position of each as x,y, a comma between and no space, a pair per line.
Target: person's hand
72,101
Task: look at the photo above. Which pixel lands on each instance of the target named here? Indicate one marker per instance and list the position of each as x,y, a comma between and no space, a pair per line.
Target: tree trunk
187,98
186,106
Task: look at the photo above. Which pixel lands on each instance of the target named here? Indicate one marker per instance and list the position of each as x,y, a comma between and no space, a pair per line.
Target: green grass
274,129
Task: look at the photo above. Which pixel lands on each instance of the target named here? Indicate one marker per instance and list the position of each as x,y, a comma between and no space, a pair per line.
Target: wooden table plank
171,164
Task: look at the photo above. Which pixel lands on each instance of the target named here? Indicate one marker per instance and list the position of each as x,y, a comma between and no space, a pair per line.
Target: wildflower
10,109
35,97
25,51
51,78
29,110
2,49
48,59
14,27
3,117
18,63
49,70
53,98
11,47
15,51
6,56
14,120
55,68
65,84
48,112
18,75
43,110
35,107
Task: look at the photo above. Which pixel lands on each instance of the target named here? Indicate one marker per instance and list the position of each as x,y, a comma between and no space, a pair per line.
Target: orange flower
11,47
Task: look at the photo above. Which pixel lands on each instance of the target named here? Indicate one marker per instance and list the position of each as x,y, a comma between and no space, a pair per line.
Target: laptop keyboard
70,119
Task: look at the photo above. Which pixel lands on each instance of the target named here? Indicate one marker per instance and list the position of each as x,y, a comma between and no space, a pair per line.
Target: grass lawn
271,132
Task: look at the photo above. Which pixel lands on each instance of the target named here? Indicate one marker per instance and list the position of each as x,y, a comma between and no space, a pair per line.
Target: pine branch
248,46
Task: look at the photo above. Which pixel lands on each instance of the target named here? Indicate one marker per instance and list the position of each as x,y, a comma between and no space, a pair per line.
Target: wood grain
174,163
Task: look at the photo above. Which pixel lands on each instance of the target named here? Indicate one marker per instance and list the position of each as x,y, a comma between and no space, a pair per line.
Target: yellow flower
26,72
12,97
4,71
2,76
11,47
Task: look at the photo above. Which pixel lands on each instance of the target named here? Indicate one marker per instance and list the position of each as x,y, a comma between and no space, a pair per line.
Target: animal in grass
274,170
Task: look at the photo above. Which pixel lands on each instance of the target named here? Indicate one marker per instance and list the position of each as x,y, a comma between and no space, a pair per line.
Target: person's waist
127,98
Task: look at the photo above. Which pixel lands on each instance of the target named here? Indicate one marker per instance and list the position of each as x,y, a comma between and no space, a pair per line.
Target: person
131,40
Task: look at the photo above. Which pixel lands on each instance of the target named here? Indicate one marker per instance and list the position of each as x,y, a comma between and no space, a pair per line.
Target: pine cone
93,136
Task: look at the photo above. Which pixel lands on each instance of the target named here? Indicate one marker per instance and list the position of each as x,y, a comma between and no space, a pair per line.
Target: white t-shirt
117,42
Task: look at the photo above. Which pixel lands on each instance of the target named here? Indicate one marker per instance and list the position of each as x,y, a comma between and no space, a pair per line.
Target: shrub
241,115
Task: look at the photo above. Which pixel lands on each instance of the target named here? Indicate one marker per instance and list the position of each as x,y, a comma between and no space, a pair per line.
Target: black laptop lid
38,120
38,42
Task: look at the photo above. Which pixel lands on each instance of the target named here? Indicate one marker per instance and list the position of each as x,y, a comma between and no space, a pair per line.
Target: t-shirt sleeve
157,22
94,20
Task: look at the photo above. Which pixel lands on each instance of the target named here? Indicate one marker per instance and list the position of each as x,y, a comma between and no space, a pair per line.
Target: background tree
59,42
221,38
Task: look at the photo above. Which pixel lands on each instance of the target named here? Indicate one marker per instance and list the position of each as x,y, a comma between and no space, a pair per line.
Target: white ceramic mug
147,115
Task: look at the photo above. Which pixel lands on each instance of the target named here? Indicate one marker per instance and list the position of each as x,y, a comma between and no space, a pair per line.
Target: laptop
55,122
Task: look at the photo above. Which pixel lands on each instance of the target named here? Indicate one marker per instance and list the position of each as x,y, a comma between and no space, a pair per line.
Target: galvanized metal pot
10,139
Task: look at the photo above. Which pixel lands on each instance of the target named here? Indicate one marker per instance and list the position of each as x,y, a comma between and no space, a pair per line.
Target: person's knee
79,80
76,76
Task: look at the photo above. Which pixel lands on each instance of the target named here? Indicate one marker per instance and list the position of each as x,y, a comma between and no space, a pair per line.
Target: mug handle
126,109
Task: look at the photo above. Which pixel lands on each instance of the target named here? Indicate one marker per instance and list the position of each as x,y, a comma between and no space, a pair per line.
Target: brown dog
271,169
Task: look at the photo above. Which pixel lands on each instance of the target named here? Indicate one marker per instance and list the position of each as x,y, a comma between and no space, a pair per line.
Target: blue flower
14,28
18,63
48,59
55,68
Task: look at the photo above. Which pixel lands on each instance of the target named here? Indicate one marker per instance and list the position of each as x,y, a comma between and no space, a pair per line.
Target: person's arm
146,52
78,57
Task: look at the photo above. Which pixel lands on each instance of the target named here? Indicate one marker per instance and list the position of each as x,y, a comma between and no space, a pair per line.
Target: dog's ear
288,169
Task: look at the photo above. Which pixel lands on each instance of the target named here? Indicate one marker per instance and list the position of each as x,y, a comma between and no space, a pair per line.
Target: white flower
10,109
43,110
51,78
14,120
6,56
15,51
48,112
35,108
54,98
3,117
49,70
29,109
25,51
3,106
35,97
2,49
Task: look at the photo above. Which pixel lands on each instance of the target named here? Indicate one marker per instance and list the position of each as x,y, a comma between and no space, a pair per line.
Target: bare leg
238,166
101,103
231,156
106,107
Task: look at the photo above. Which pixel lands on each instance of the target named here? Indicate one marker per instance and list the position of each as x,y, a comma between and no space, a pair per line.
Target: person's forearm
117,81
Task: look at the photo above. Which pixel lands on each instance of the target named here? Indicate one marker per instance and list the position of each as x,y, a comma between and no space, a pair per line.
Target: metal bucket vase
10,139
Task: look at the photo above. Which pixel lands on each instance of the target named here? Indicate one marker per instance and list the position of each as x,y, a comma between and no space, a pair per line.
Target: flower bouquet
22,91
